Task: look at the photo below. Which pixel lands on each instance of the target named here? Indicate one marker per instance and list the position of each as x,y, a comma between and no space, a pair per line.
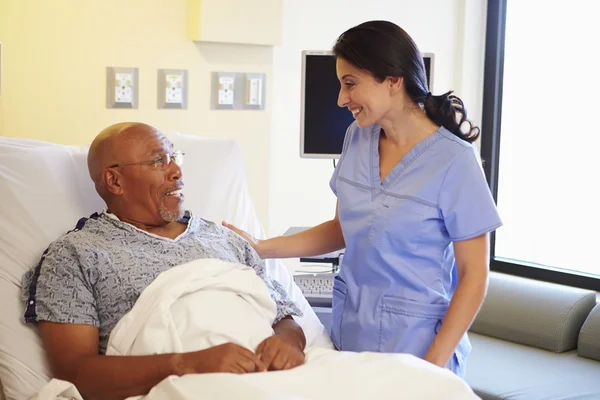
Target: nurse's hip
386,333
397,326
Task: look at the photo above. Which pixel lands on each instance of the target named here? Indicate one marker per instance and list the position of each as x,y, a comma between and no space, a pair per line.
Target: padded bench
535,340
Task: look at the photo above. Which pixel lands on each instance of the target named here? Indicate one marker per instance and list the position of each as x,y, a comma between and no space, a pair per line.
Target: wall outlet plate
121,87
225,90
172,88
236,91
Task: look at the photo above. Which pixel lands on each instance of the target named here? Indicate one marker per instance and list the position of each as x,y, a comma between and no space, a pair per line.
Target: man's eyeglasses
161,162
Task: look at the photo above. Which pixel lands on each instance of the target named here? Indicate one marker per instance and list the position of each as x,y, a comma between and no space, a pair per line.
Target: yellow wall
54,77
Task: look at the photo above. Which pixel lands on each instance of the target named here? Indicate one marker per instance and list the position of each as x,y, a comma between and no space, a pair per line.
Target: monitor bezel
431,56
305,54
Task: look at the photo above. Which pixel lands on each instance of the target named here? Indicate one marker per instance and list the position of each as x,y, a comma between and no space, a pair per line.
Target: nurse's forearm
468,297
321,239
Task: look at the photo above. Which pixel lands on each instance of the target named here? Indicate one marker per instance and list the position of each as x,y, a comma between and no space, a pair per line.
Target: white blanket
209,302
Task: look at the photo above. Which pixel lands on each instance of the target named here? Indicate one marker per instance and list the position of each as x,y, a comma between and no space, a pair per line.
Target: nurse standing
413,211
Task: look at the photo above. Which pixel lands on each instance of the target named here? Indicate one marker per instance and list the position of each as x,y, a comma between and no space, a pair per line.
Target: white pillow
45,188
40,198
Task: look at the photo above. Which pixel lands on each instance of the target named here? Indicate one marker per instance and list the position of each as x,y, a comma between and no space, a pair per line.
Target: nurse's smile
355,112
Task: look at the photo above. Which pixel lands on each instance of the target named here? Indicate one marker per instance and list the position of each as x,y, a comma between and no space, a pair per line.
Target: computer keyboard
317,288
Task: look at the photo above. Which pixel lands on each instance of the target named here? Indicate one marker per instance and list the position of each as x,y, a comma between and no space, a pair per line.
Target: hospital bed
45,189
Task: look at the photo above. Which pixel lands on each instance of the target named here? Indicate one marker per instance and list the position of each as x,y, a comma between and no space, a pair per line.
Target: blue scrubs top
398,271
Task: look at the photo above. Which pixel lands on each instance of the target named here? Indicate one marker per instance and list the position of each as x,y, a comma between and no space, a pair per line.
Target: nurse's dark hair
386,50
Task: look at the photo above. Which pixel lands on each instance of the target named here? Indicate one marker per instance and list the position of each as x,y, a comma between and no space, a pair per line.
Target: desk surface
297,268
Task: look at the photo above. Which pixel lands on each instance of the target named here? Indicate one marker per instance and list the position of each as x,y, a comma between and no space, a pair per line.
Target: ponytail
449,111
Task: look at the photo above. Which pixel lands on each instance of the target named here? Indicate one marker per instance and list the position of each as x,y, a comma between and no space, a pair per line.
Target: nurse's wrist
437,357
435,360
261,248
267,248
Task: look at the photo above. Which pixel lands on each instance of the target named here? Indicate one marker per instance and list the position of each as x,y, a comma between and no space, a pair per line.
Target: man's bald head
108,147
113,145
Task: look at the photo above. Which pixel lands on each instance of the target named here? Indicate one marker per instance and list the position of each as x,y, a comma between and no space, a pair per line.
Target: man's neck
168,229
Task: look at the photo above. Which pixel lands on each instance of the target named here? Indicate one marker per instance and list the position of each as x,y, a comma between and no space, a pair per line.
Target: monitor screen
323,123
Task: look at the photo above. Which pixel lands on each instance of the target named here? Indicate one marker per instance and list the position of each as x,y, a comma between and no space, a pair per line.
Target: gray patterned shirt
95,274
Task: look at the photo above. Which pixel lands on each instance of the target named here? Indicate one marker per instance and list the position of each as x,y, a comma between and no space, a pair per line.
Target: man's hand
228,357
277,354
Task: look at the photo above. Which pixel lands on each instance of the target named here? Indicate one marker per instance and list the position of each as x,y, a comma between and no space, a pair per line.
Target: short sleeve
56,289
333,181
465,200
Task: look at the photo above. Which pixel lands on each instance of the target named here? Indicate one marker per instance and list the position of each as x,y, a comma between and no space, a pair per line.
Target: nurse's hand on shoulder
248,237
277,354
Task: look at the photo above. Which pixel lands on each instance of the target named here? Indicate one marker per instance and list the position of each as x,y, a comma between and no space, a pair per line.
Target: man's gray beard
169,215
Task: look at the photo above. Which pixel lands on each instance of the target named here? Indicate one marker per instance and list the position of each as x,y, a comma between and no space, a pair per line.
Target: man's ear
395,83
112,181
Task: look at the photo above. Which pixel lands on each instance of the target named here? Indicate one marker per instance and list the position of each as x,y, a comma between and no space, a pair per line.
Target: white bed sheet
176,313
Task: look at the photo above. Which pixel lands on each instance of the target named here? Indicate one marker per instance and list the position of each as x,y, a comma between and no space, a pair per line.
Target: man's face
152,188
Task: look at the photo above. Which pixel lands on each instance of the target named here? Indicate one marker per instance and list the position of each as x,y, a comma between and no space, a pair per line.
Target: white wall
451,29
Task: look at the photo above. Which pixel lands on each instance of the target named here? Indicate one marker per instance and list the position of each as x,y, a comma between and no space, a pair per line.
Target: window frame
490,150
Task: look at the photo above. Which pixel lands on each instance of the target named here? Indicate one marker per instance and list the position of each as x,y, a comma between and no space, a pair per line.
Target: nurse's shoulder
453,149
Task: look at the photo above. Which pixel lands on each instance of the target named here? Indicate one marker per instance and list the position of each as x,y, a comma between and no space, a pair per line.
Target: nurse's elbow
336,229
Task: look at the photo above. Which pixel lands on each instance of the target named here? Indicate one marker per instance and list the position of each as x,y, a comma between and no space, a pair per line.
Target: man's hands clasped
277,354
272,354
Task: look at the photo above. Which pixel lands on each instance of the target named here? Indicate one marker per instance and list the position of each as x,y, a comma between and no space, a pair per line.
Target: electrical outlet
225,90
121,87
172,88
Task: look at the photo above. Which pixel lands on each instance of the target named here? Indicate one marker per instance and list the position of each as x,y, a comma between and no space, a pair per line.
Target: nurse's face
368,100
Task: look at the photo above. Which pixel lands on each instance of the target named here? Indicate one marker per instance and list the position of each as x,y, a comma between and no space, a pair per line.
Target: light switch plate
254,91
172,88
121,87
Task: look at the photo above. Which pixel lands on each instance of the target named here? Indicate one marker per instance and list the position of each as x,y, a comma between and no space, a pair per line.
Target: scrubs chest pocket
408,326
338,303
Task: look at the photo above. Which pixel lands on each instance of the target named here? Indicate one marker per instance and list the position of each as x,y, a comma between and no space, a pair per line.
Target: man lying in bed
88,279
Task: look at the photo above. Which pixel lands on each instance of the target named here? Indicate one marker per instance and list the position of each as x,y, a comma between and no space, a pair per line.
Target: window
540,139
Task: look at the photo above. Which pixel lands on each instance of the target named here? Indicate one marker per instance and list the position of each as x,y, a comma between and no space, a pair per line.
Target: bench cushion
589,336
534,313
497,369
